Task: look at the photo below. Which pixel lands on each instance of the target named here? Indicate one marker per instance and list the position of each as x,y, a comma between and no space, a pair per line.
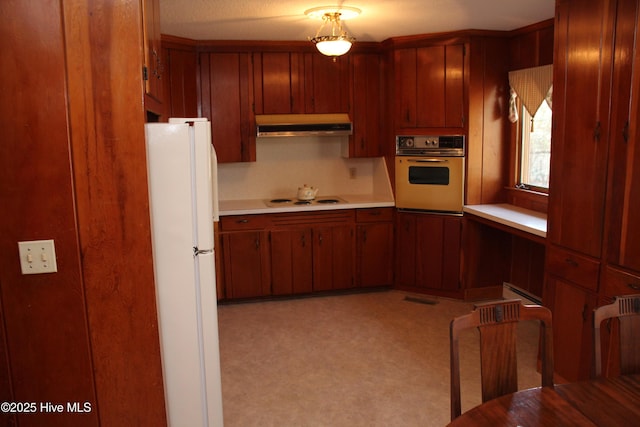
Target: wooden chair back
627,311
497,322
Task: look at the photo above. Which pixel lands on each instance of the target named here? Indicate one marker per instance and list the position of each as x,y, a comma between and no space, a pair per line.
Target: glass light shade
332,45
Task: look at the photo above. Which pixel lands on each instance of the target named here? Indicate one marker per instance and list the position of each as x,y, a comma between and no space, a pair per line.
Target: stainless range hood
269,125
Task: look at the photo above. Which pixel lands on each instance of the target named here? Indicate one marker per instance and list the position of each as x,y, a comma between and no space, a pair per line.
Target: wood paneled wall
73,169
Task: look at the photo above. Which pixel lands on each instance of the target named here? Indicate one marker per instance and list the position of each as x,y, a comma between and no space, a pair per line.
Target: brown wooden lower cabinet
375,254
428,253
333,257
304,252
246,264
291,261
572,308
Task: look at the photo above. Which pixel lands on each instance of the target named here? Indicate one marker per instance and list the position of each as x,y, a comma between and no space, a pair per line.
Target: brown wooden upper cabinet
624,152
429,84
291,82
180,82
367,105
225,97
581,127
326,83
278,82
153,67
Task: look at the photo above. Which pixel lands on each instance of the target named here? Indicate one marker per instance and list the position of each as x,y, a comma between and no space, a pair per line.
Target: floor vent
421,300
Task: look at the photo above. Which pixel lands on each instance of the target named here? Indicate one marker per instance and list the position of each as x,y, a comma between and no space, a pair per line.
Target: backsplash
284,164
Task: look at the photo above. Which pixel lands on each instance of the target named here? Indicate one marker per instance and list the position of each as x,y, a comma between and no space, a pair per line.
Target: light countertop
512,216
259,206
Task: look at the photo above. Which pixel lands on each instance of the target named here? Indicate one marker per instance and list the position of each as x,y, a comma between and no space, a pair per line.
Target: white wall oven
430,173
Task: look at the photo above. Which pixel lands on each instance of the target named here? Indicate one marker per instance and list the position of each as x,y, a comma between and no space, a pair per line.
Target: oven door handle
429,160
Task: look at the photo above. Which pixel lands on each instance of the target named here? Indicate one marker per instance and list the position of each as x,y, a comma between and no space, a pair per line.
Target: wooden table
600,402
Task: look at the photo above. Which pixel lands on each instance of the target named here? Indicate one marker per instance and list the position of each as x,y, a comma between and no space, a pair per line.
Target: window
535,148
530,108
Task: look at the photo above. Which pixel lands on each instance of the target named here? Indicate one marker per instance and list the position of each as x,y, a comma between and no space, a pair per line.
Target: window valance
532,85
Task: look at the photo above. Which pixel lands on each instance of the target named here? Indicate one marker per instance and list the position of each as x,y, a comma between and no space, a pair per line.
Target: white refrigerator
182,171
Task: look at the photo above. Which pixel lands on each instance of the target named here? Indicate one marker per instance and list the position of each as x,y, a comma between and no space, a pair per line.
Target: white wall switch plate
37,256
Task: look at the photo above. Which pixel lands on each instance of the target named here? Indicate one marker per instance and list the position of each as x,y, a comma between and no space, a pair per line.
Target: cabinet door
278,82
438,252
454,93
428,251
580,133
429,85
405,274
326,84
375,254
246,264
153,67
572,309
333,257
405,75
226,100
366,105
624,158
181,88
291,261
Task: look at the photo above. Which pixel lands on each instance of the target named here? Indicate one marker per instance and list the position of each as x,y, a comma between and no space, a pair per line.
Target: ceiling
379,20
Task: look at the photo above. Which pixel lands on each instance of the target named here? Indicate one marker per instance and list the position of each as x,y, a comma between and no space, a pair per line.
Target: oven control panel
411,145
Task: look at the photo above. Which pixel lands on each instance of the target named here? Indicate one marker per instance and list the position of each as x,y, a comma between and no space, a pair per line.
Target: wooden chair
497,322
627,310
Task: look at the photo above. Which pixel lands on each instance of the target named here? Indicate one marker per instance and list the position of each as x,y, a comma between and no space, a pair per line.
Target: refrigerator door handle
197,251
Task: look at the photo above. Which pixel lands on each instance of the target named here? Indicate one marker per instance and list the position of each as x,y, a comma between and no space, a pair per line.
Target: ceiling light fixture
338,42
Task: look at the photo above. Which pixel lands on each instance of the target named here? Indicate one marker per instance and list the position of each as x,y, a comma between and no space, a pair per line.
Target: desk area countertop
512,216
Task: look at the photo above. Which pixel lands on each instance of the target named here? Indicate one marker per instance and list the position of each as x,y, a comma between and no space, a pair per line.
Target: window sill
528,199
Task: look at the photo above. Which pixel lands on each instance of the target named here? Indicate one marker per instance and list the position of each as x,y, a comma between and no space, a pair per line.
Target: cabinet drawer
243,222
618,282
578,269
374,214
